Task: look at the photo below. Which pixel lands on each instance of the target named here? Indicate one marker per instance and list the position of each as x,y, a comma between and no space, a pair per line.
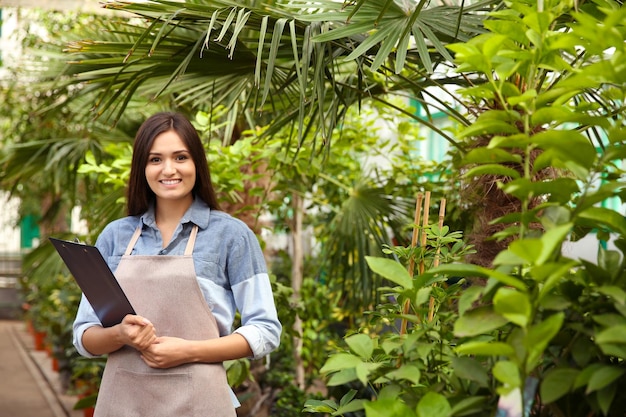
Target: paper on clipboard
96,280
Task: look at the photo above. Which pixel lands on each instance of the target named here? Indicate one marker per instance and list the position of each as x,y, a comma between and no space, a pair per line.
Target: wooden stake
411,268
424,226
431,304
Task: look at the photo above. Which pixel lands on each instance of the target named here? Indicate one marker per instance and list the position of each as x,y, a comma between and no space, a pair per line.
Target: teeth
170,182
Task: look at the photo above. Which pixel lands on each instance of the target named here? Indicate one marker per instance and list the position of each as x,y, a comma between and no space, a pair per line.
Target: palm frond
367,220
294,62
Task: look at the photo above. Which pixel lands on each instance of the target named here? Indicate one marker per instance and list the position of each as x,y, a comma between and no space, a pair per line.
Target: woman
186,268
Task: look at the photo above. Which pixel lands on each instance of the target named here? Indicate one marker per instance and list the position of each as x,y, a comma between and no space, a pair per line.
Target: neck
170,211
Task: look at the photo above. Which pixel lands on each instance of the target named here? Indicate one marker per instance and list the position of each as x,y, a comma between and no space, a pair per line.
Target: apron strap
133,240
188,249
192,241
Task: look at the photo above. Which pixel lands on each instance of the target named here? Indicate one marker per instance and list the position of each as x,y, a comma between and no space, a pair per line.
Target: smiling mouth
170,182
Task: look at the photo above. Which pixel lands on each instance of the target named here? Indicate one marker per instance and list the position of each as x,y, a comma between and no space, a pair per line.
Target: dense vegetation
387,315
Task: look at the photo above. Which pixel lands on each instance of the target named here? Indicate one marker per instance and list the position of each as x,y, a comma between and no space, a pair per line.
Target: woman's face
170,171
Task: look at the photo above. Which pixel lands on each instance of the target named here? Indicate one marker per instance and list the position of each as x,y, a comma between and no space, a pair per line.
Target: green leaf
505,70
507,373
613,334
551,274
361,344
351,407
389,392
585,375
468,297
469,406
364,369
488,127
529,249
486,349
552,114
513,305
539,336
86,402
470,270
422,296
433,404
537,251
616,293
490,156
609,320
406,372
559,189
556,383
388,407
519,140
609,260
551,241
508,258
492,169
342,377
605,397
340,361
566,148
510,29
606,217
391,270
528,95
479,321
493,45
602,377
471,369
317,406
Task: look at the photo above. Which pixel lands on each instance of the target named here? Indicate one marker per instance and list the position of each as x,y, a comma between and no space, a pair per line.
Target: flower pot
40,340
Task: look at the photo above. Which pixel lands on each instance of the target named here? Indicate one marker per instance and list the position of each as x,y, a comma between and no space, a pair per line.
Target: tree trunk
296,282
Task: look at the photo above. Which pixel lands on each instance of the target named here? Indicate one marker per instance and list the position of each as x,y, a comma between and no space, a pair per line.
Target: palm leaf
360,228
189,49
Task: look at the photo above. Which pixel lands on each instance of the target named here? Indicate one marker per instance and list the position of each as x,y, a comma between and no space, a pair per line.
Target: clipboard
96,280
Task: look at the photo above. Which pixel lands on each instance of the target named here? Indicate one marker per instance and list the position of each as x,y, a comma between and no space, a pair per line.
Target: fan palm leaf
369,218
288,62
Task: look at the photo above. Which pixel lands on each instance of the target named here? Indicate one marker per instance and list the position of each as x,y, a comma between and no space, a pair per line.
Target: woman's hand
167,352
137,332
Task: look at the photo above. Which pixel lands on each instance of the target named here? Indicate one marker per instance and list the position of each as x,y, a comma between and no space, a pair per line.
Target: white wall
9,232
585,248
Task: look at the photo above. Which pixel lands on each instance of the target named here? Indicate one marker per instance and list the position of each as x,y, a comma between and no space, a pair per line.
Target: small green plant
404,370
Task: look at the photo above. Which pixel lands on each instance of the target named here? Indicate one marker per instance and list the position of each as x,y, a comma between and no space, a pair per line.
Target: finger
147,360
137,320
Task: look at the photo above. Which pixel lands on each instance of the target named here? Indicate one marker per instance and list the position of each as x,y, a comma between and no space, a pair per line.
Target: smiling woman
171,175
187,268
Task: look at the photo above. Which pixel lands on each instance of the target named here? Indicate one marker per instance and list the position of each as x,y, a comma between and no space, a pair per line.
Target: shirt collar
198,213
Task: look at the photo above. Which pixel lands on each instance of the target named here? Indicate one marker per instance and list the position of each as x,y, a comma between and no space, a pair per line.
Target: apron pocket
137,394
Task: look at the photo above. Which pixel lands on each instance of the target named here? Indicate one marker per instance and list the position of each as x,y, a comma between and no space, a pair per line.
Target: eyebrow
175,152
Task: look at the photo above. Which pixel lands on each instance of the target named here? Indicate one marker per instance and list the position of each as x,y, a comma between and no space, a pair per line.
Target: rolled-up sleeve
85,318
260,325
252,292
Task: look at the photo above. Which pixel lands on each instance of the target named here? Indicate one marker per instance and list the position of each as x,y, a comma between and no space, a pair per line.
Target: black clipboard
96,280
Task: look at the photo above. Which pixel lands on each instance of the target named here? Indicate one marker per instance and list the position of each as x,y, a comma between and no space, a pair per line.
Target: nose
168,168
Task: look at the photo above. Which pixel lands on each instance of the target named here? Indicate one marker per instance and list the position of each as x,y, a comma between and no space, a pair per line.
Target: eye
182,157
154,160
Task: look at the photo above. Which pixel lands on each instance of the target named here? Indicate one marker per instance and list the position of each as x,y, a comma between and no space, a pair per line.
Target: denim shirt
230,269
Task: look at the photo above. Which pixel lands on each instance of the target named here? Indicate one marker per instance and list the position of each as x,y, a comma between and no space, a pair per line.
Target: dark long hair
140,196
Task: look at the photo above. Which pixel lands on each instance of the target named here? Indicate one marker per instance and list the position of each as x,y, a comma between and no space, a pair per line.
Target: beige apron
164,290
